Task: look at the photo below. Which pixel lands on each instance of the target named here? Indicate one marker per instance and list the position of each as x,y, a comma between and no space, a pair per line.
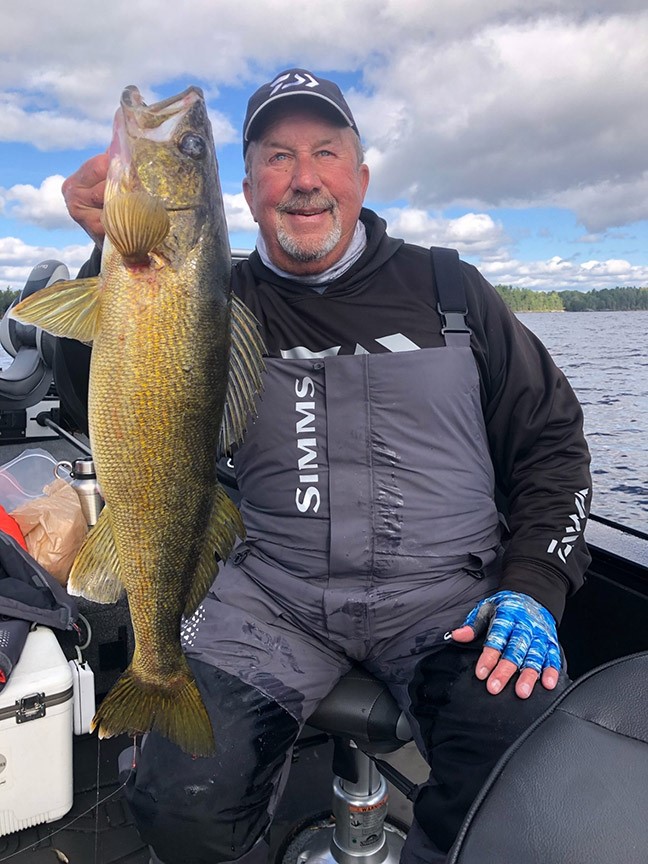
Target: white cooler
36,710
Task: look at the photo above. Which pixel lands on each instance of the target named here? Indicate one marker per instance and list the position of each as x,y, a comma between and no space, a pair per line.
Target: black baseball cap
294,82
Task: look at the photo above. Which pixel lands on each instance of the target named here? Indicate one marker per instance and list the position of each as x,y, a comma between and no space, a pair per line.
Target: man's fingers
504,670
526,682
488,660
91,173
500,676
463,634
84,192
550,677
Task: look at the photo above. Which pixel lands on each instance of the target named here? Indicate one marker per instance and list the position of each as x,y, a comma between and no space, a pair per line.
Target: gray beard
293,247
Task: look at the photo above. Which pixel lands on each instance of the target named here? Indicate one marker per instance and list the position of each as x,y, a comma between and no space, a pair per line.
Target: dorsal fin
245,370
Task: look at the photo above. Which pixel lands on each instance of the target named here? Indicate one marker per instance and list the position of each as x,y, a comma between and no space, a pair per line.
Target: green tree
526,300
6,299
619,299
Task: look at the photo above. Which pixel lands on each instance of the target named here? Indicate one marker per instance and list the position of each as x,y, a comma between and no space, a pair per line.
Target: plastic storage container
36,714
25,477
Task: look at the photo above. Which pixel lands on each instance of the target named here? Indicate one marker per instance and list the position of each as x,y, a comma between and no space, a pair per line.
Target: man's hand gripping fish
167,393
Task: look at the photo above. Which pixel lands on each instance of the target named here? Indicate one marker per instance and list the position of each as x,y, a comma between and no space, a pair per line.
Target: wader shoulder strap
452,306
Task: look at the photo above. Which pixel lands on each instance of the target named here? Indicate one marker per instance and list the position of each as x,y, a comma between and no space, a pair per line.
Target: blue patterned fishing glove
522,630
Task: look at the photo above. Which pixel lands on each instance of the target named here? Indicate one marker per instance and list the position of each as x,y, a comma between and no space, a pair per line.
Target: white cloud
474,234
222,128
238,213
558,274
538,108
42,206
17,259
614,201
48,129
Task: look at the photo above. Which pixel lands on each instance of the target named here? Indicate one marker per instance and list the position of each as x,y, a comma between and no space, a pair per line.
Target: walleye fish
176,365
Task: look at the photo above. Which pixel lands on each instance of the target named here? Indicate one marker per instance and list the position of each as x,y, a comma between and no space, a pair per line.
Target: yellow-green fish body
161,319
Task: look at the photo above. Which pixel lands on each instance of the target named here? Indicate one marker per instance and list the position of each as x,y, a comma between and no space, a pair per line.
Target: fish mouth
142,118
156,123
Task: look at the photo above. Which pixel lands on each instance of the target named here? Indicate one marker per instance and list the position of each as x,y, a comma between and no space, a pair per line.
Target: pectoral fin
96,573
136,223
246,367
64,309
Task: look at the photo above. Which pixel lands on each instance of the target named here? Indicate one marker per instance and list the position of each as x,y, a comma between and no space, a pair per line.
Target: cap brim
261,109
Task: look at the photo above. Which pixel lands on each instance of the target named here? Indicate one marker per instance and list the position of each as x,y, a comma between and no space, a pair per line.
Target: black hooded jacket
533,419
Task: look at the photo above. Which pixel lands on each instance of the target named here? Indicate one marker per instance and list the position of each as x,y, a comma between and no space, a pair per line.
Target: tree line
602,300
6,299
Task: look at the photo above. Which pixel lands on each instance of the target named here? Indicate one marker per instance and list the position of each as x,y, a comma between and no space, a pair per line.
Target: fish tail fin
225,525
176,711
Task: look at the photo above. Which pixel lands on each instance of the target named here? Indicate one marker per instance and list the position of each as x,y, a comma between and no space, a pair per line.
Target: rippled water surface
605,357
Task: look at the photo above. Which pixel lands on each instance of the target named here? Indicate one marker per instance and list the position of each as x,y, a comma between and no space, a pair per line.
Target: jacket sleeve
71,367
535,429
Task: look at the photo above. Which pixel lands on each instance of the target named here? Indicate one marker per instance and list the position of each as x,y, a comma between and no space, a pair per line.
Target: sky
515,132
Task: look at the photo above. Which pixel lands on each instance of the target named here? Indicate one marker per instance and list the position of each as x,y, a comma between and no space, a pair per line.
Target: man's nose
305,177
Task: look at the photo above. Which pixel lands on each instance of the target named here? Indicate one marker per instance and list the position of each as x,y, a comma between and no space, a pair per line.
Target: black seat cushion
574,788
361,708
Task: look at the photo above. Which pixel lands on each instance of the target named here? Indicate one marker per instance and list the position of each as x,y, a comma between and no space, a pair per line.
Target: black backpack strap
452,306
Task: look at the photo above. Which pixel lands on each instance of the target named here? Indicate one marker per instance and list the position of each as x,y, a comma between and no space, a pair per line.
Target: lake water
605,357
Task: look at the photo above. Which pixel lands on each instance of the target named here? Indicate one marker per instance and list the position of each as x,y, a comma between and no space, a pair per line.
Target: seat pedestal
358,832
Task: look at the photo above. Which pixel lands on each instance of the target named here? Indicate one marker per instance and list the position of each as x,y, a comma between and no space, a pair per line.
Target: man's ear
364,178
249,196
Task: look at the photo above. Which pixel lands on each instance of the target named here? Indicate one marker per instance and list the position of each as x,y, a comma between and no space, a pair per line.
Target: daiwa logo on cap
284,82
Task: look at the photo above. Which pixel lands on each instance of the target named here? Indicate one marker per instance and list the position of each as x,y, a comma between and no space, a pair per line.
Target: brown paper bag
54,528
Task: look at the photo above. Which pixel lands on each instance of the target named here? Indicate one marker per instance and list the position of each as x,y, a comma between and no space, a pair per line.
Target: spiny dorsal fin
136,223
244,382
64,309
224,527
96,572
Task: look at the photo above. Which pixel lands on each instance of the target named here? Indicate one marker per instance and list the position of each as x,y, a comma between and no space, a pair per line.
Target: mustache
301,201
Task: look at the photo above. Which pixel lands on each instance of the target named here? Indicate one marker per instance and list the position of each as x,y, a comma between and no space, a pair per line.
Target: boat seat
574,787
363,719
361,708
26,381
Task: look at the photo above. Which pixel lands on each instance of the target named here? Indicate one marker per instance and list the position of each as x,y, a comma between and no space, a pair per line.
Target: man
368,484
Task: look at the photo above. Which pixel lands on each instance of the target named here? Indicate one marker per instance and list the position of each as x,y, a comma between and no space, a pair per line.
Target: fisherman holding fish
368,482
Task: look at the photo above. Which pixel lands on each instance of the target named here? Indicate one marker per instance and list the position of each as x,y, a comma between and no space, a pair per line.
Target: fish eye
192,145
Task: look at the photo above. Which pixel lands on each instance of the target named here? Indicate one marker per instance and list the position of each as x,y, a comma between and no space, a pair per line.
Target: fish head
167,150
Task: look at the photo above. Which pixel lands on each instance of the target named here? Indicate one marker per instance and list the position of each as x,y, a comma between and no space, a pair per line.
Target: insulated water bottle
83,479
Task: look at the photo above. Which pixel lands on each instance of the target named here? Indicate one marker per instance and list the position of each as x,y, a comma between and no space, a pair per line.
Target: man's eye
278,157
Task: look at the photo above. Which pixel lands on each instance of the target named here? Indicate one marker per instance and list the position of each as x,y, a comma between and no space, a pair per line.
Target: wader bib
368,501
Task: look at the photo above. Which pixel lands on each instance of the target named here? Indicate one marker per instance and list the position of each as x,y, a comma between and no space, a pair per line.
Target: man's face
305,189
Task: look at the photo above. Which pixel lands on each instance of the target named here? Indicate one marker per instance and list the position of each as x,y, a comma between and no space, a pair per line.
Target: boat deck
100,830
